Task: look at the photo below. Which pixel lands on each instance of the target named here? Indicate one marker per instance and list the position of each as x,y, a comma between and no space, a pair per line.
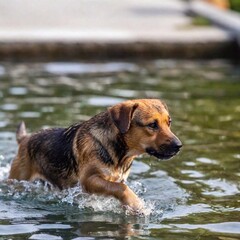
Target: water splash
44,194
47,197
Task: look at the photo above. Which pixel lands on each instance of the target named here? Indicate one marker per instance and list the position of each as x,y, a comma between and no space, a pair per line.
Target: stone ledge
50,51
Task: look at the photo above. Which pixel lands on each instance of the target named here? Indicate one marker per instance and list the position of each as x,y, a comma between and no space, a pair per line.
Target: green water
193,196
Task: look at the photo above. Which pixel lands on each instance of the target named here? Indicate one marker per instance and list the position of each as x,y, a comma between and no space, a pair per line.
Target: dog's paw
138,210
134,206
132,203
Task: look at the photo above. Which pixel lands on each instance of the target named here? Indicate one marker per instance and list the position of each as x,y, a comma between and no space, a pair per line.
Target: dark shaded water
193,196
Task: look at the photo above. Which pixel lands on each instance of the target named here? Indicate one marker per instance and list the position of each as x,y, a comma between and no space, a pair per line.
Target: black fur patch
102,152
52,150
120,147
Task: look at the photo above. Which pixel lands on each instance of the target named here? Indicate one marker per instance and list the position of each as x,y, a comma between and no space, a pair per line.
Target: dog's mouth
163,155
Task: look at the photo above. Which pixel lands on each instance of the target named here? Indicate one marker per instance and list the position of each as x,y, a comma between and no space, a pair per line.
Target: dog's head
145,124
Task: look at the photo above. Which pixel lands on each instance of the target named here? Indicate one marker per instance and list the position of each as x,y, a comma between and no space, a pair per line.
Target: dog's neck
103,130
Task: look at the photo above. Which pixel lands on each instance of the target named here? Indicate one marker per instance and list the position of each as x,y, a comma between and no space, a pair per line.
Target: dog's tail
21,132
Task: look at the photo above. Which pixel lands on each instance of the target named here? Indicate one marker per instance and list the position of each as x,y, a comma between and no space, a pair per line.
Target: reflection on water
193,196
89,68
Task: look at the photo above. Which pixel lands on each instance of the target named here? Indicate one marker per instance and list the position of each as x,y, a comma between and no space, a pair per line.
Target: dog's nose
176,143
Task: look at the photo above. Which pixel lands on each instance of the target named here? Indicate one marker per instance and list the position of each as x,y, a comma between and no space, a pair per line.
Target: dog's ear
122,115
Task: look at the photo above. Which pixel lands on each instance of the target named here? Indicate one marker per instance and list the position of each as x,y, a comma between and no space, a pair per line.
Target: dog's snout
176,143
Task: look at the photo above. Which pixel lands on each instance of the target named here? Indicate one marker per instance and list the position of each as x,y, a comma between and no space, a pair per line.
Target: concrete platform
91,29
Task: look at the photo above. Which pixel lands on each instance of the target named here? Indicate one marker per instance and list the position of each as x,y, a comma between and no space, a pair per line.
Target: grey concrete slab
32,27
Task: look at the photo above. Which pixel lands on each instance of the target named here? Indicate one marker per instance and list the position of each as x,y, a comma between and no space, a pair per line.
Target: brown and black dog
99,152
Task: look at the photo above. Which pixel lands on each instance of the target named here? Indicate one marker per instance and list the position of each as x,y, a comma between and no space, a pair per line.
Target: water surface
193,196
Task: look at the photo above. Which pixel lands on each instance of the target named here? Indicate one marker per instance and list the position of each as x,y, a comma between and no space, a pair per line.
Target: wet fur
97,153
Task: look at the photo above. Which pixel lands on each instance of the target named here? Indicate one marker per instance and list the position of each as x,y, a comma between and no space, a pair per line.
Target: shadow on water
193,196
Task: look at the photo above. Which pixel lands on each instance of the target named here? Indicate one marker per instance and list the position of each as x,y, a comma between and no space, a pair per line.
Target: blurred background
62,62
67,30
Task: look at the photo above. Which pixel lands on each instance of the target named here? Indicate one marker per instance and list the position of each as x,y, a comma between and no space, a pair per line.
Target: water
193,196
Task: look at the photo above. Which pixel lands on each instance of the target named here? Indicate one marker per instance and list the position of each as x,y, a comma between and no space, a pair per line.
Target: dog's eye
153,125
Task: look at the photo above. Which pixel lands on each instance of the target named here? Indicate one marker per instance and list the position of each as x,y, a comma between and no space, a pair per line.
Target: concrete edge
51,51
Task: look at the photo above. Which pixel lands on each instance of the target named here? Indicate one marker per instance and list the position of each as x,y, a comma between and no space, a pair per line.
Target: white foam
46,195
4,170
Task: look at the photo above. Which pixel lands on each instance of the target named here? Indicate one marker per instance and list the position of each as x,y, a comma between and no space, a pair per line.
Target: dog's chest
122,176
118,175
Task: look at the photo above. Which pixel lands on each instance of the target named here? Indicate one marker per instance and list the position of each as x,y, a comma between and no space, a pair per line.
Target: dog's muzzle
165,151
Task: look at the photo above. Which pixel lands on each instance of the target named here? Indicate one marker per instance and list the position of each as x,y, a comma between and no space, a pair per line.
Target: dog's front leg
98,185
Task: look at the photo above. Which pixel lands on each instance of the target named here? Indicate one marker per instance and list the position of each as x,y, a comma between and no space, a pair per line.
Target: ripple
14,210
47,109
162,193
192,173
190,164
226,118
42,236
2,70
30,228
83,238
206,160
85,68
30,114
17,229
123,92
4,136
182,210
139,167
236,156
224,227
18,90
103,101
219,188
3,124
9,106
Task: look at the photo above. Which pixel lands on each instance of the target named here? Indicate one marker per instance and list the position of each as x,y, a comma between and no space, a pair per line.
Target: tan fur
100,151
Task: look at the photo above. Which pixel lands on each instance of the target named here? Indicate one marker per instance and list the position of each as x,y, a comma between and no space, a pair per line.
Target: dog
98,153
